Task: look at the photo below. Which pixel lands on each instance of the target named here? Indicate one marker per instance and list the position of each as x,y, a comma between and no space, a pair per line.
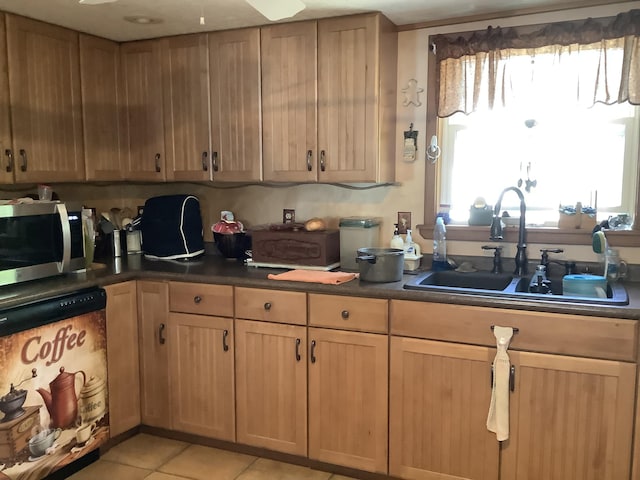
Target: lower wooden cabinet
271,386
439,399
571,418
153,319
348,392
201,359
122,357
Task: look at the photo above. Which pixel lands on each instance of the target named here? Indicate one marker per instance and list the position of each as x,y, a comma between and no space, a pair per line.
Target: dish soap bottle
439,246
409,249
396,240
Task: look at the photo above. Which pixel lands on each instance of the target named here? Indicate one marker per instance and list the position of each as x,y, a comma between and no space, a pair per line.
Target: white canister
93,400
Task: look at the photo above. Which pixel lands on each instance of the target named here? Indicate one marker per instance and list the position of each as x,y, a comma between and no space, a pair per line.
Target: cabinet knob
157,158
345,314
161,338
197,299
323,164
267,306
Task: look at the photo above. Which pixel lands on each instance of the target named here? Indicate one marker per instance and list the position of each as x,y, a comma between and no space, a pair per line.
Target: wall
263,204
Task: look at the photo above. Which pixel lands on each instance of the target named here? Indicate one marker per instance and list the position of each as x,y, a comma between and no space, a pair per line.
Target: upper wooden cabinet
236,134
102,110
357,58
185,66
142,72
44,81
289,102
6,152
329,100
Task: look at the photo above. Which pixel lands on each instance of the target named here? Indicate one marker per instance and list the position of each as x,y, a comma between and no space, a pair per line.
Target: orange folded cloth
315,276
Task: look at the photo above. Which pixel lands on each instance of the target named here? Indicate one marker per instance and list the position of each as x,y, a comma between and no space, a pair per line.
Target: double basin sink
502,285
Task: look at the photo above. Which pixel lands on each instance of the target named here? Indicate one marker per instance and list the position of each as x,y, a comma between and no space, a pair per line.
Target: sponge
599,242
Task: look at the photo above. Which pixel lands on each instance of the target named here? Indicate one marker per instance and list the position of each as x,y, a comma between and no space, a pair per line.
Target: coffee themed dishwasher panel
53,395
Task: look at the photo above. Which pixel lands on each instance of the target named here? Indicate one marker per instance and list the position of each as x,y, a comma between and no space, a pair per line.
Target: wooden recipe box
319,248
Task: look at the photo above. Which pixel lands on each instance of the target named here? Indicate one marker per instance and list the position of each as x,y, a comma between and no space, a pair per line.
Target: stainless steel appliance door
53,385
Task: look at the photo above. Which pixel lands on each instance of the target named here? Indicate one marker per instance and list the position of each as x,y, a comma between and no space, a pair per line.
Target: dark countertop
218,270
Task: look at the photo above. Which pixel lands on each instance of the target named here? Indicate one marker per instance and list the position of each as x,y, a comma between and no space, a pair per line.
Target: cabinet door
7,163
123,363
348,98
46,115
142,72
102,112
236,134
439,399
571,418
348,389
289,102
271,386
153,319
202,375
186,107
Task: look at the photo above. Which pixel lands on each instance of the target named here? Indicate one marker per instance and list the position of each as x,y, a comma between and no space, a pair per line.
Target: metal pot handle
366,258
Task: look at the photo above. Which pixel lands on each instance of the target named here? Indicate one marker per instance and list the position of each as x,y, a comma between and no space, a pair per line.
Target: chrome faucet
496,231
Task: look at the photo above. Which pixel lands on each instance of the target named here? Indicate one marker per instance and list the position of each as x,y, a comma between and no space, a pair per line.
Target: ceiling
183,16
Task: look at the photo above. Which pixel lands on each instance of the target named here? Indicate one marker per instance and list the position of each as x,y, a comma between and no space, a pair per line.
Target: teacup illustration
39,443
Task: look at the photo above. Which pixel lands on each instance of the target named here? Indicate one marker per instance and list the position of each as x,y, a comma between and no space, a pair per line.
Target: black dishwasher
53,385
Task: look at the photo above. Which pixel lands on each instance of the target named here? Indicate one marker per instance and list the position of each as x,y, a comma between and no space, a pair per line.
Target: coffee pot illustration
61,401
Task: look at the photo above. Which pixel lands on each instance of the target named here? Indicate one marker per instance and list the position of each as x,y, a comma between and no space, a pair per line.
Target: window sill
548,236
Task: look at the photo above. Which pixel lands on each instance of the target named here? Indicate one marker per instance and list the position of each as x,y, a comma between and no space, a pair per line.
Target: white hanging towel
498,418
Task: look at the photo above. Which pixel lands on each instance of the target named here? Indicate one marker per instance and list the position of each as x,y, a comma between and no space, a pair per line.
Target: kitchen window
552,110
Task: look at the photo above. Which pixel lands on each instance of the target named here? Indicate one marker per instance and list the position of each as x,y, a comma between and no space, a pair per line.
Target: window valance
595,60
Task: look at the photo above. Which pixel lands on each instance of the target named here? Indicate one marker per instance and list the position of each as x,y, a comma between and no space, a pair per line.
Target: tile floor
155,458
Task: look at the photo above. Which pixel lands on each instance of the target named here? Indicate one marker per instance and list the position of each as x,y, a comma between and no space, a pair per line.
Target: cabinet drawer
349,313
201,298
271,305
565,334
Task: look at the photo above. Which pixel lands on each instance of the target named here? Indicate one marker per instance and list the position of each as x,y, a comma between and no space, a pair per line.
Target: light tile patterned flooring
155,458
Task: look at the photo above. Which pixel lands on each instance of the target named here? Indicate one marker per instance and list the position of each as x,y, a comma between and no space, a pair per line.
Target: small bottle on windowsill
439,246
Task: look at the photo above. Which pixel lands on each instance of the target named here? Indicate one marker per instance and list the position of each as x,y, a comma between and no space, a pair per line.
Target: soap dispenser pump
396,240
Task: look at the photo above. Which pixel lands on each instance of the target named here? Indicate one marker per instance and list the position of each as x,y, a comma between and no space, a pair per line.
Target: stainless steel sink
506,286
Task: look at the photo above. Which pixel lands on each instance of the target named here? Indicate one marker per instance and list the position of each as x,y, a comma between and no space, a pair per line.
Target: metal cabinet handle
313,351
267,306
323,165
23,156
9,155
214,158
197,299
345,314
309,160
161,334
512,378
298,357
205,164
158,169
225,334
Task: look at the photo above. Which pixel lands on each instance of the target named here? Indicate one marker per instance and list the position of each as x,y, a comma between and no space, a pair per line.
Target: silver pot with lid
380,264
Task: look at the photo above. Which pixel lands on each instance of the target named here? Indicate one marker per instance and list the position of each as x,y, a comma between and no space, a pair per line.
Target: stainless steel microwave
38,240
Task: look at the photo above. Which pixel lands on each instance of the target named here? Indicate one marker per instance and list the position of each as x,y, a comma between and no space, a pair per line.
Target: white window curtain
570,63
